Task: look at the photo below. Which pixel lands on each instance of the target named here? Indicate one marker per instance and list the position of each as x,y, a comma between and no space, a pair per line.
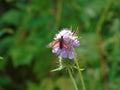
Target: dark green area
27,26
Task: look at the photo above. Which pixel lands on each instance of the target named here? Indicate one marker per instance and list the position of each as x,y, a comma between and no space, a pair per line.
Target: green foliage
27,26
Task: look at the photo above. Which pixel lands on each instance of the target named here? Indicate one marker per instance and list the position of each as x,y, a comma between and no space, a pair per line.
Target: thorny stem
100,48
71,77
60,62
79,72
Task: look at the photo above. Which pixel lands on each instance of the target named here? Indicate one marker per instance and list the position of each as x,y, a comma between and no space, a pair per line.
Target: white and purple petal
63,54
70,55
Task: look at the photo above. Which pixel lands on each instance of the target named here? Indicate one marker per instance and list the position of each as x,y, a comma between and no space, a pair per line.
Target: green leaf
47,84
12,17
21,55
1,57
32,86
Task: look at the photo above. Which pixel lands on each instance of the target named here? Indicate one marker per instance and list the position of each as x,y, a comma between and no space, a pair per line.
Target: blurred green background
27,26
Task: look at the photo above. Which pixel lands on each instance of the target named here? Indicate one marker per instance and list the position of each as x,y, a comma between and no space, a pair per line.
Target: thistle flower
64,43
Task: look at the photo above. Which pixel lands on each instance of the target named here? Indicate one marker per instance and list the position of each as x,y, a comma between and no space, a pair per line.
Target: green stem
58,12
71,77
100,47
79,72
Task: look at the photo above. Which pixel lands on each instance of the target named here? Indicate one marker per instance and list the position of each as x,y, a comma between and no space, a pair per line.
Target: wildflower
64,43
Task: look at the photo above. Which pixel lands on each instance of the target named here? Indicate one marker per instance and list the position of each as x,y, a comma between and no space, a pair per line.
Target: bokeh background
27,26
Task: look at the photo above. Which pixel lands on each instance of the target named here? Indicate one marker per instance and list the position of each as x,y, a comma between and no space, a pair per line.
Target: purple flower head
64,43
